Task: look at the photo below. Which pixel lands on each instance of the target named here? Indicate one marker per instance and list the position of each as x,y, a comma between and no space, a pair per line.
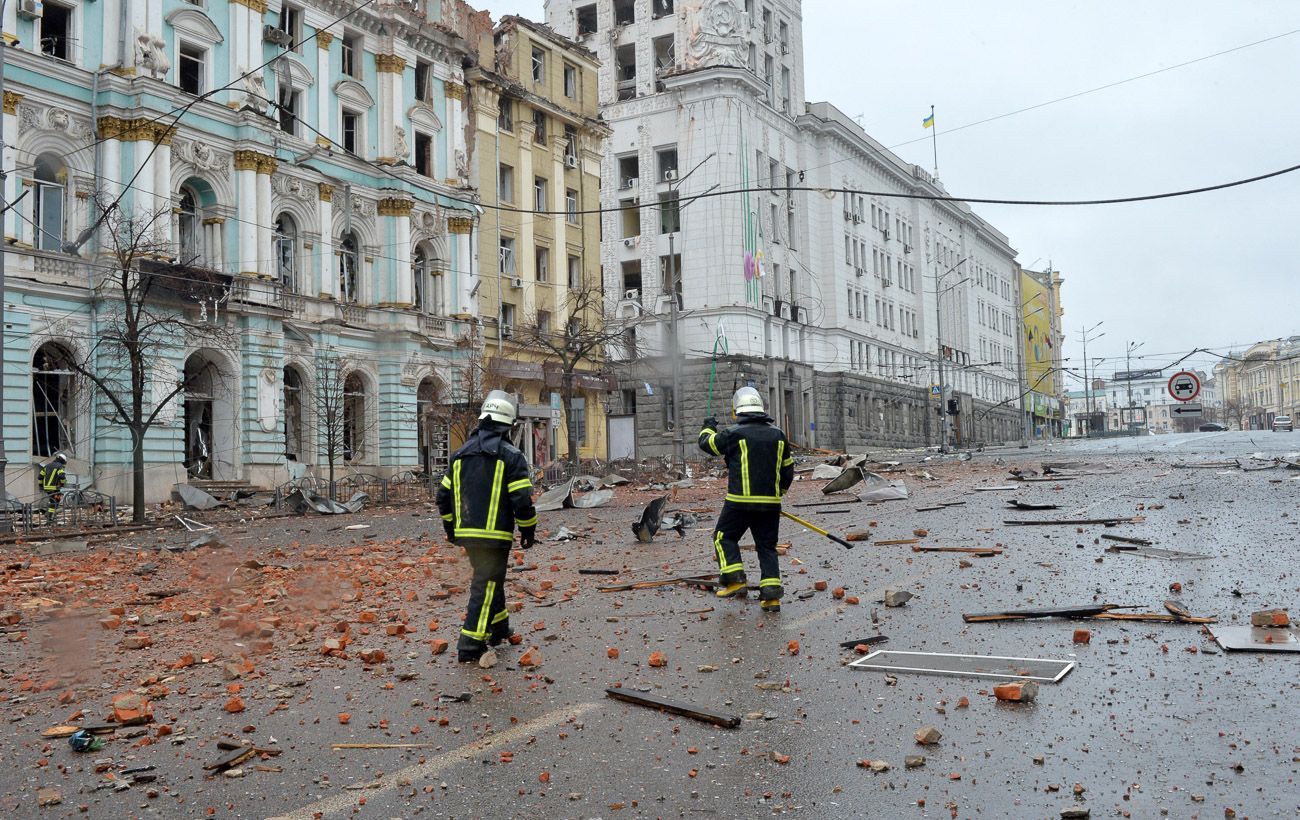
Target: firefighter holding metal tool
485,494
759,471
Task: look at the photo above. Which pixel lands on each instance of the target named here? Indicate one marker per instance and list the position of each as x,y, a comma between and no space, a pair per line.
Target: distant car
1212,427
1281,423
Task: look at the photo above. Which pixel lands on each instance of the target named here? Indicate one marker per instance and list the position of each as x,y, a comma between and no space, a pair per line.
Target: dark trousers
764,522
486,615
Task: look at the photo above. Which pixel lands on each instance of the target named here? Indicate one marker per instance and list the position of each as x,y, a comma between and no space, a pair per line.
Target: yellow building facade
1040,341
535,161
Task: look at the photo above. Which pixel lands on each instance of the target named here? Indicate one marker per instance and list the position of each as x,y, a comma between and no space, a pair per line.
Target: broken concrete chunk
1270,617
928,735
1018,692
914,761
487,660
896,597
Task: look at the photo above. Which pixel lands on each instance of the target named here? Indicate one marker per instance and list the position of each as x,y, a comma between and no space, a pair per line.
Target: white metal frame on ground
872,662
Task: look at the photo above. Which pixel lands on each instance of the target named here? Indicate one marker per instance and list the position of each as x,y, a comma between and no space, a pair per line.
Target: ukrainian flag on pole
928,122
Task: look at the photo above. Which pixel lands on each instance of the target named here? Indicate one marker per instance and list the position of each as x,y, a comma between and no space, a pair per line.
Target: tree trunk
137,476
566,398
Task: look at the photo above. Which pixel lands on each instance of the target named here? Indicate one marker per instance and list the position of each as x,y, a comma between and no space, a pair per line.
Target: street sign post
1186,410
1184,386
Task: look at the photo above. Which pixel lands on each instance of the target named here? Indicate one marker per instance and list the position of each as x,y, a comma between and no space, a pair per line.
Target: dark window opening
587,20
423,154
190,69
56,31
539,127
624,12
350,63
52,401
351,131
506,114
287,109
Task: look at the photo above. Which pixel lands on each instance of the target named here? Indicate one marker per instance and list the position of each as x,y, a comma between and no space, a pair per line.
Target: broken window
423,154
286,252
351,131
56,31
587,20
53,411
629,172
661,8
539,65
665,51
348,263
667,158
570,81
539,127
191,68
624,12
506,114
354,417
625,71
632,281
292,414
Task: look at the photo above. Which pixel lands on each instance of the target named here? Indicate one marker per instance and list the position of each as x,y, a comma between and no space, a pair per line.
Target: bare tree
585,335
145,299
344,412
458,403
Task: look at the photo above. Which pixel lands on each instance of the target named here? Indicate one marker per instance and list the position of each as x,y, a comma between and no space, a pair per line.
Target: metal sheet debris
999,667
889,491
195,498
647,525
300,501
556,498
595,498
848,477
1256,639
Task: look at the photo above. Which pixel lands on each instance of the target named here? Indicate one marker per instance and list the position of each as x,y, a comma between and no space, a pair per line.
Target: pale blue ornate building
309,159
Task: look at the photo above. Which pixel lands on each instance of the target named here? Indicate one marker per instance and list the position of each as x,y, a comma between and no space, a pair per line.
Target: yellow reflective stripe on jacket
744,466
780,453
496,495
526,522
712,440
521,484
754,499
494,535
446,482
455,493
448,517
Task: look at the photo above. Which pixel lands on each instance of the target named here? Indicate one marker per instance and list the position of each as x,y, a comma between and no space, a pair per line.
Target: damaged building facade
321,201
835,305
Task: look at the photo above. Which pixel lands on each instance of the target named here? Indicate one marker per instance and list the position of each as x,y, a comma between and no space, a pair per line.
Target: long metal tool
796,519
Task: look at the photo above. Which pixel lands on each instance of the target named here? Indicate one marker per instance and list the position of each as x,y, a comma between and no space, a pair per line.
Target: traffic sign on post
1184,386
1187,409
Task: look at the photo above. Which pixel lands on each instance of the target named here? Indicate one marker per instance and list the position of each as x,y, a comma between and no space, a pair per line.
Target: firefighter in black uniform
485,494
53,476
759,471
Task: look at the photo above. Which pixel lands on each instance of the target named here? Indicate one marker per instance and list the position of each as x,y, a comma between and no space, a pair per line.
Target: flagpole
934,141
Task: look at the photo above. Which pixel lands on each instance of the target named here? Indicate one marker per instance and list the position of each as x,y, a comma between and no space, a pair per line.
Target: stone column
7,157
245,35
402,292
461,228
161,182
262,252
246,167
391,68
455,128
324,110
329,285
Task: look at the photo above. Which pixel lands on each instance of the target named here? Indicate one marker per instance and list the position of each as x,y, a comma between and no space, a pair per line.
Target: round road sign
1184,386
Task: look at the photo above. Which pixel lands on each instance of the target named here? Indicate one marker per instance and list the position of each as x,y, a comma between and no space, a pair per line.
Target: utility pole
1087,385
1128,373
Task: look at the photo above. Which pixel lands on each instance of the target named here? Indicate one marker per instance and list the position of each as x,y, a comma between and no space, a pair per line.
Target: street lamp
1085,336
1128,373
939,292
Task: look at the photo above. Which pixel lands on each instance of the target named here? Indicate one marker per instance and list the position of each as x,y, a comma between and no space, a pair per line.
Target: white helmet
60,457
498,406
746,400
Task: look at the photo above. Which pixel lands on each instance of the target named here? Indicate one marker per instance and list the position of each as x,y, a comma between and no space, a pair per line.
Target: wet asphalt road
1155,720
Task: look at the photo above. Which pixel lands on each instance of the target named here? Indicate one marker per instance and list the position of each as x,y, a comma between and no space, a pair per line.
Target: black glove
449,528
527,537
711,423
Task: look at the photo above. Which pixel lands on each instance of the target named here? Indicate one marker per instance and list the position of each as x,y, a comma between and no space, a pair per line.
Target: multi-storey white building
824,299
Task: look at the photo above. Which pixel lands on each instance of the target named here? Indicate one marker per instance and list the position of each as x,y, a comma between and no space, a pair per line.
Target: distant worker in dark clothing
53,476
759,471
485,494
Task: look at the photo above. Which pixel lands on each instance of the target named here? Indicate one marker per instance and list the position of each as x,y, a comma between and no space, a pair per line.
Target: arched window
53,408
189,237
354,417
286,253
50,177
348,267
293,413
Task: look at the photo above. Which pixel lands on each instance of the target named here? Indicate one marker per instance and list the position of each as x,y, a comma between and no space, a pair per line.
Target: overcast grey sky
1211,270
